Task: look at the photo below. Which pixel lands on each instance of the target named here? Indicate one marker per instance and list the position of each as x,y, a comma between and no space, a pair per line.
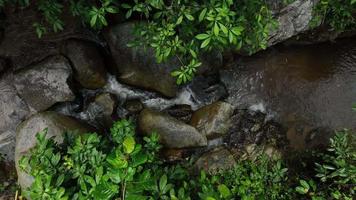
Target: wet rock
180,112
253,152
88,64
21,44
44,84
138,66
12,111
100,111
213,120
252,127
173,133
215,160
133,106
292,19
26,132
174,155
207,90
3,66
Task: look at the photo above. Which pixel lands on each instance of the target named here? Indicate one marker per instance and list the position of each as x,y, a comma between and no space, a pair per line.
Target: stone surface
173,133
138,66
180,112
12,111
100,111
207,90
88,64
253,127
46,83
26,132
213,120
292,19
215,160
21,44
3,66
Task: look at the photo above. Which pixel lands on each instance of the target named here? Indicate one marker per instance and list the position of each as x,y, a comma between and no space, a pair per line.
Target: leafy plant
339,15
184,29
337,172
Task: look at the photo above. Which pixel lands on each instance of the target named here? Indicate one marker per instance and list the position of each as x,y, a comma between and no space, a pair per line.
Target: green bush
338,14
127,168
336,174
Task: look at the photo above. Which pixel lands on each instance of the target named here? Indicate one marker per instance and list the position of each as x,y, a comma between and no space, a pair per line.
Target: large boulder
12,111
26,132
213,120
46,83
138,66
292,20
23,47
88,64
173,133
215,160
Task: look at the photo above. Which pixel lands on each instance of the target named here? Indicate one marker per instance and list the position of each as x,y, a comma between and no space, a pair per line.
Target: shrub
127,168
336,175
339,15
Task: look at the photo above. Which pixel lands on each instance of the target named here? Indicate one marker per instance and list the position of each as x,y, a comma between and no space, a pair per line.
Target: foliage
83,168
127,168
339,15
336,175
182,29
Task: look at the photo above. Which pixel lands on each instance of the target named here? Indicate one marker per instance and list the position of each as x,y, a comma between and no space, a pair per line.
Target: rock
12,111
138,66
215,160
46,83
213,120
100,111
292,19
26,132
252,127
133,106
253,152
21,44
173,133
207,90
88,64
180,112
3,66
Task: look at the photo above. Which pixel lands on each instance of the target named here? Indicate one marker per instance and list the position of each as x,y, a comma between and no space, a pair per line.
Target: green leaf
189,17
179,20
93,20
202,14
223,28
301,190
162,182
216,29
224,191
111,9
129,144
205,43
237,30
202,36
354,105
